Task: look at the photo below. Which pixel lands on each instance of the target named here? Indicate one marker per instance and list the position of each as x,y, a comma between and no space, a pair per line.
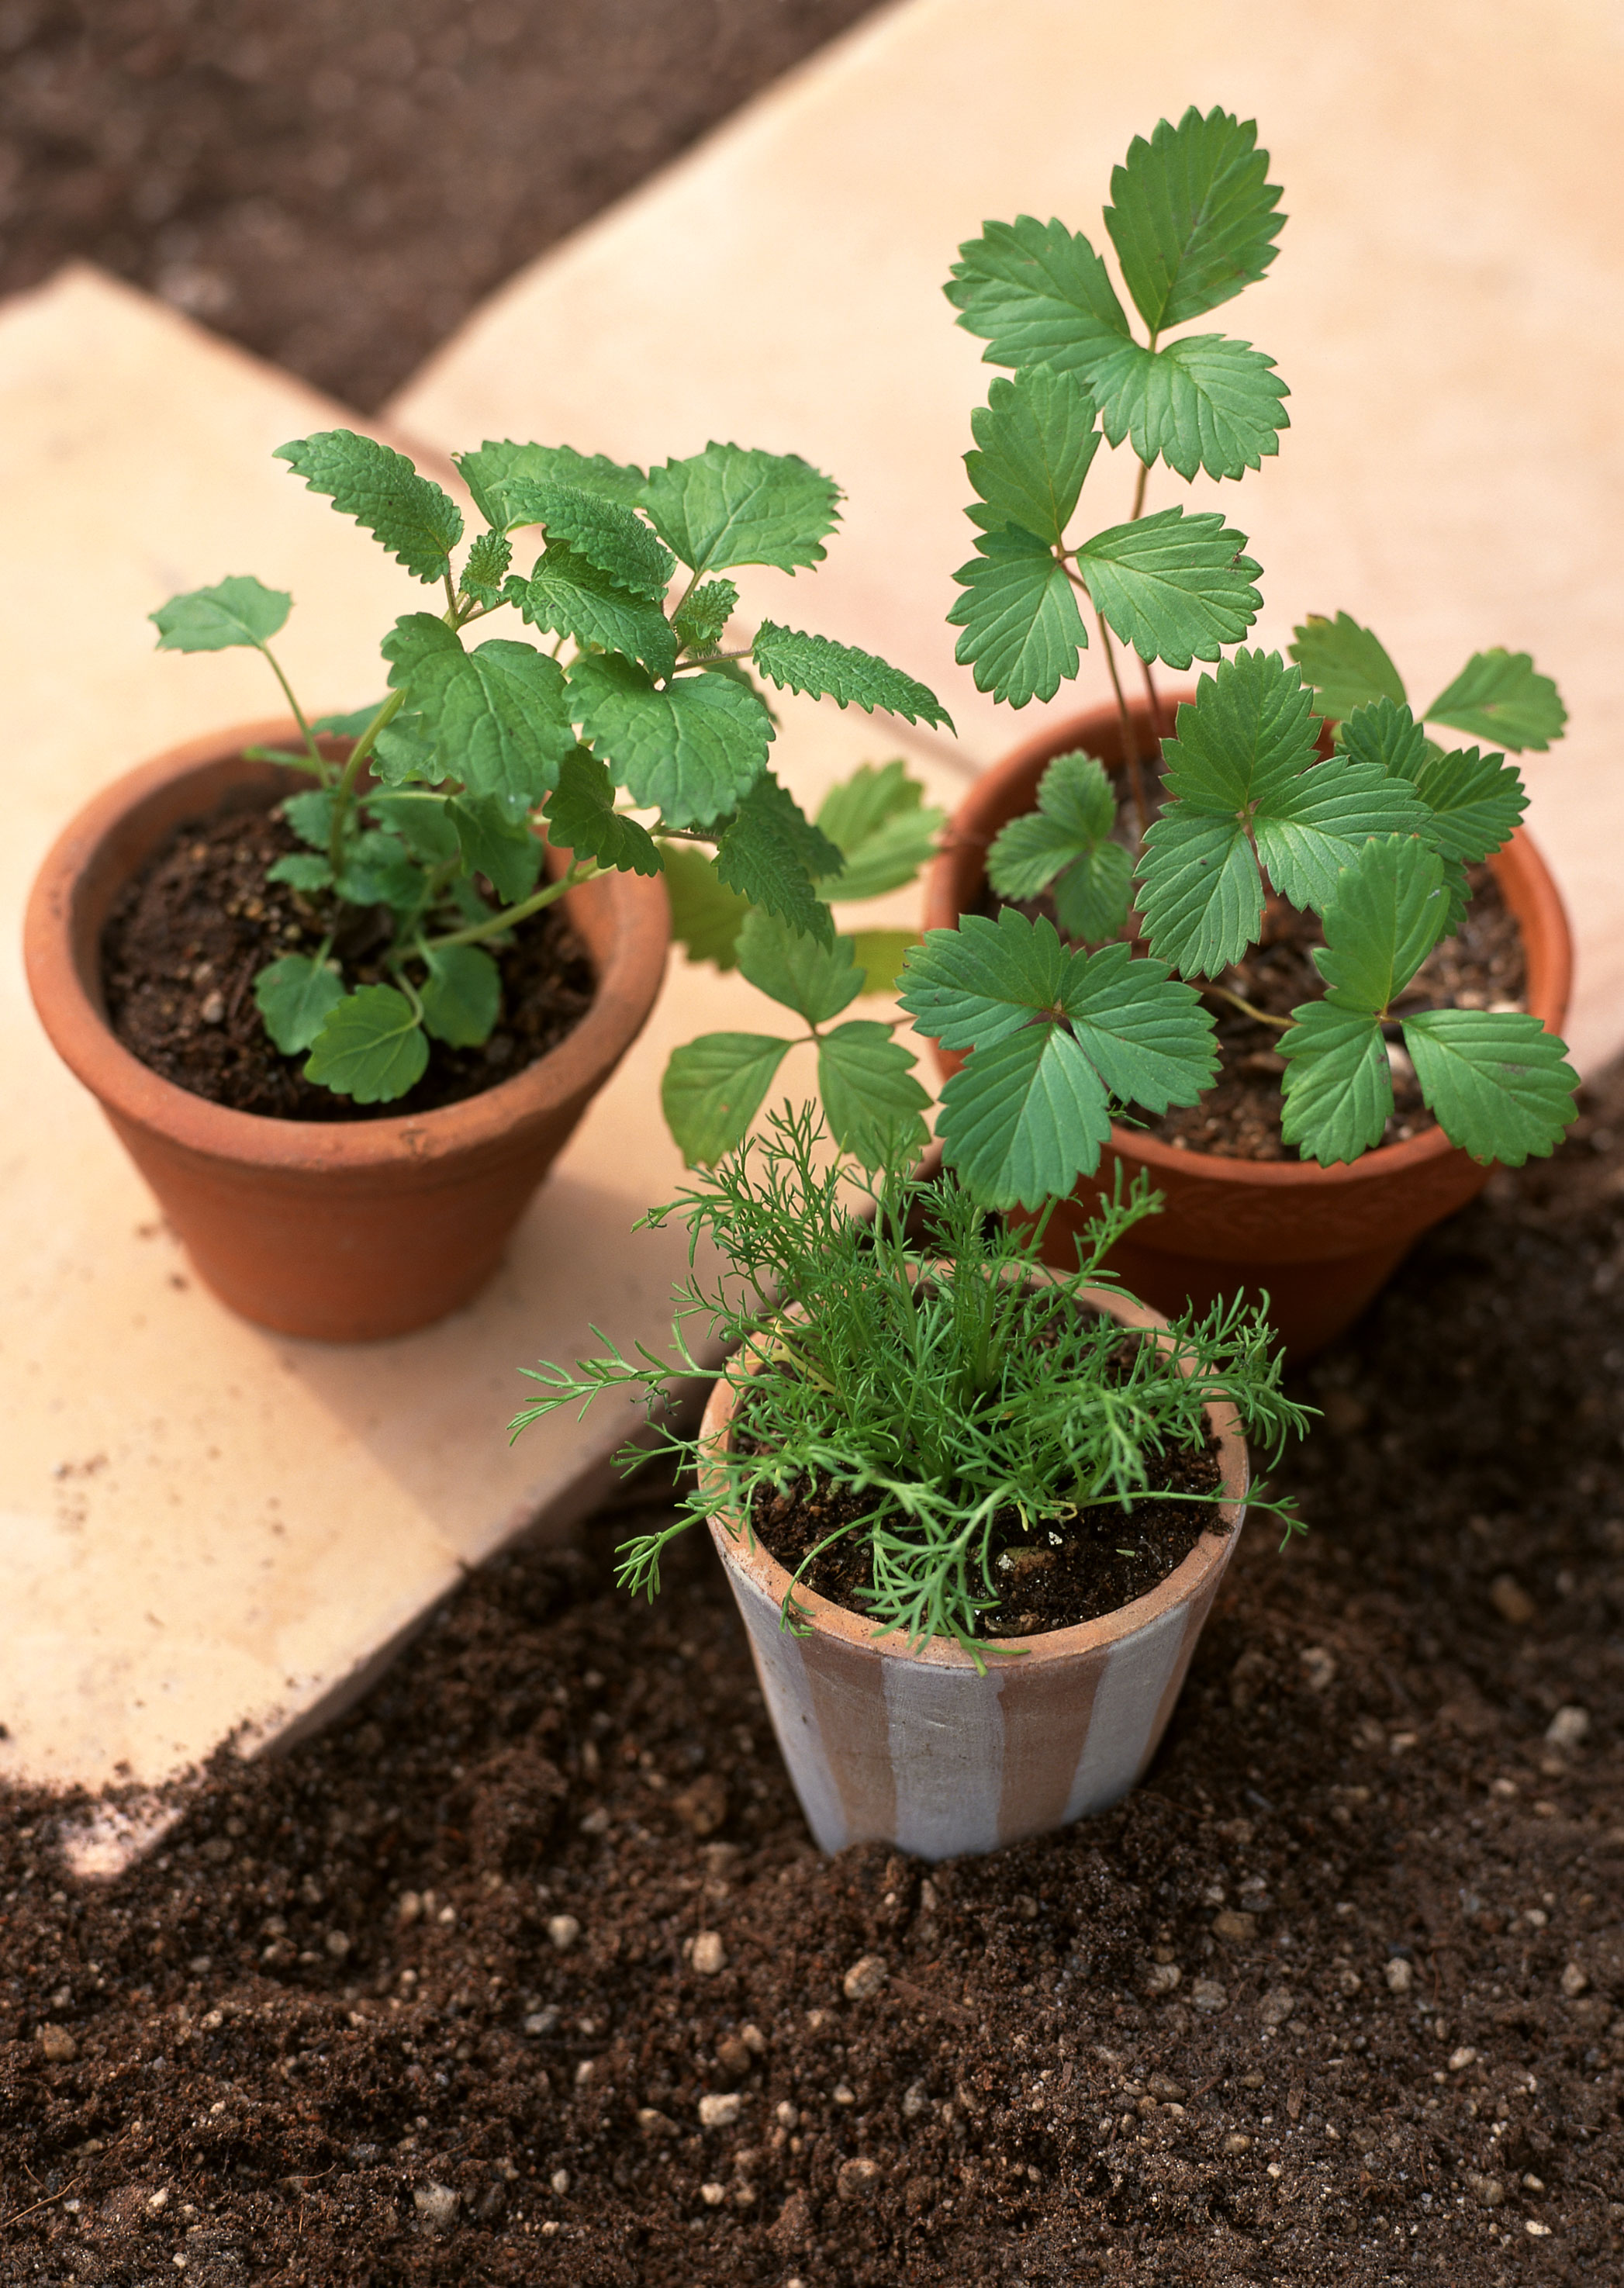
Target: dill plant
890,1339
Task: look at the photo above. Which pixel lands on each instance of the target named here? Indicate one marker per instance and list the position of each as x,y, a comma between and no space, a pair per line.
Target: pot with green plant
974,1510
345,987
1249,849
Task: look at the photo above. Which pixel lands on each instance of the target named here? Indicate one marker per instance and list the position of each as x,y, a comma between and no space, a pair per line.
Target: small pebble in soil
57,2045
858,2179
1511,1600
1568,1727
713,2195
786,2116
864,1978
1208,1995
559,2181
1573,1981
408,1907
1277,2005
1461,2059
709,1955
563,1930
436,2204
720,2110
1162,1978
1399,1975
1233,1926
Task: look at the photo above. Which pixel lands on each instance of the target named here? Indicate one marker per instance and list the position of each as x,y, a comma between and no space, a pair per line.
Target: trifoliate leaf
1022,1118
1474,801
773,854
240,610
496,464
293,996
1384,732
1204,402
1194,219
379,870
1337,1092
498,716
608,535
1308,831
700,622
403,755
1250,731
690,751
418,522
311,816
1145,1034
984,981
727,507
462,995
1035,438
713,1088
1174,585
567,594
878,819
1039,295
421,823
1200,893
706,916
371,1047
486,568
816,981
880,955
1498,1082
832,671
871,1101
582,817
495,844
1022,629
350,726
1497,695
1076,809
303,872
1345,663
1385,918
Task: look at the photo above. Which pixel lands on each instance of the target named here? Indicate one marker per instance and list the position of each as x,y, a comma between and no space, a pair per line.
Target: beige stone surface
208,1530
1447,308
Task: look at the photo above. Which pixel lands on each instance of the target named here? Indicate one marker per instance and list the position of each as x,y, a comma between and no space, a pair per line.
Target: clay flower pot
914,1748
345,1230
1323,1241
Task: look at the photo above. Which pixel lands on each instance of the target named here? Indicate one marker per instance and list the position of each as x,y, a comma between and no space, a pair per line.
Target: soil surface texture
183,946
336,184
529,1973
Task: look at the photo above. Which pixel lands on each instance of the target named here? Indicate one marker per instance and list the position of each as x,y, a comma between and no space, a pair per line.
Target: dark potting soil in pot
191,932
1238,1118
332,2033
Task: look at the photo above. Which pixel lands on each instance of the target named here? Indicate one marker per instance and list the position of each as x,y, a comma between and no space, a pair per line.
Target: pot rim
1544,917
741,1549
632,973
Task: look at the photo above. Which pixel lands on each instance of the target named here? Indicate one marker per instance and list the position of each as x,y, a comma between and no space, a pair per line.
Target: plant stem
1130,747
1246,1008
316,755
1134,513
359,753
513,915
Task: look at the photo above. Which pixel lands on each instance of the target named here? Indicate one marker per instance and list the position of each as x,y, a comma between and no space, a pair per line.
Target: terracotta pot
916,1749
1321,1241
345,1230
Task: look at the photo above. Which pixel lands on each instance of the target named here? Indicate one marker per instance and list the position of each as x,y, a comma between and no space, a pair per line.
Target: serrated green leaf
311,816
1345,663
495,844
1194,219
706,916
1035,439
878,821
1174,585
1022,1118
981,982
712,1090
498,716
1092,895
582,817
872,1103
1499,1083
1250,731
486,566
1337,1092
371,1047
816,981
302,870
1076,810
832,671
1039,295
379,870
1497,695
1145,1034
293,996
1384,732
421,823
498,462
1204,402
350,726
880,955
690,751
1307,831
773,854
240,610
462,995
1023,632
568,595
1201,894
403,755
727,507
1474,801
413,517
611,537
701,620
1386,917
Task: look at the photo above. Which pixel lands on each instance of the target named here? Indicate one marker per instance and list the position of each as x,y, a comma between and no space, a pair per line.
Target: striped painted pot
916,1749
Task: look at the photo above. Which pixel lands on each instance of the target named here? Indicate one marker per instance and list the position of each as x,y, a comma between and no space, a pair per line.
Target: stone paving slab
1447,308
209,1530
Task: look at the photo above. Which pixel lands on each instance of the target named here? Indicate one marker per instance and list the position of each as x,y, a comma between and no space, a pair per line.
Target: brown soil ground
182,948
337,183
419,2002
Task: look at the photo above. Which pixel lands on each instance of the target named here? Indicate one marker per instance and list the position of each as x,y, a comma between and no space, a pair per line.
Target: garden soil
529,1973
